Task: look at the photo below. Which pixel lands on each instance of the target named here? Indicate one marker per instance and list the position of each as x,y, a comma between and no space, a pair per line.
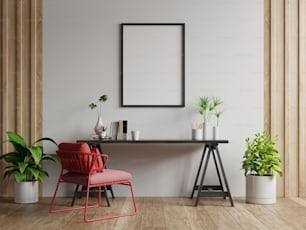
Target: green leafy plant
25,162
102,99
261,156
208,106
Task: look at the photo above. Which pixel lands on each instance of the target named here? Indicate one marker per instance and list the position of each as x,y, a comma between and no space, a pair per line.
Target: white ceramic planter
26,192
261,189
197,134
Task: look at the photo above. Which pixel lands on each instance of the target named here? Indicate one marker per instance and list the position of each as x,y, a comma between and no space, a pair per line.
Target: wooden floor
160,213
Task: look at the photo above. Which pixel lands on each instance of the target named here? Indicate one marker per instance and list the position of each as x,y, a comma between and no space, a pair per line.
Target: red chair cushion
109,176
99,164
82,148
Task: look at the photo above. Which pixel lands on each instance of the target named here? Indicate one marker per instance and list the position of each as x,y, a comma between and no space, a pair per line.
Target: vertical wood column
277,79
302,98
291,98
285,89
21,73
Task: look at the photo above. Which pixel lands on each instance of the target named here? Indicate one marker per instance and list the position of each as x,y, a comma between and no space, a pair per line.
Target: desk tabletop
151,141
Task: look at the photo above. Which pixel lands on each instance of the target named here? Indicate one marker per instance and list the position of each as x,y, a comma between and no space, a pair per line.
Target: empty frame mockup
152,65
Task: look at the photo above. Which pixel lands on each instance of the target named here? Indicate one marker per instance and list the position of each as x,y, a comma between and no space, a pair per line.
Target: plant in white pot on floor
207,107
25,164
261,164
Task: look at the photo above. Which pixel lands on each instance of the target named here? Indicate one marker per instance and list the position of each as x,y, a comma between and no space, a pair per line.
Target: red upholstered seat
116,176
82,165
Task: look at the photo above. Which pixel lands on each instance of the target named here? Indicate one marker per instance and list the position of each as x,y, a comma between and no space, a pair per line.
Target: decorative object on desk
261,163
104,133
162,44
120,129
99,127
197,131
113,133
207,107
25,164
217,114
135,135
124,129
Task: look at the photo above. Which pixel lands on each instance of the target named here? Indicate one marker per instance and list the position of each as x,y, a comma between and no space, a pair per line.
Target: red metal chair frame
82,166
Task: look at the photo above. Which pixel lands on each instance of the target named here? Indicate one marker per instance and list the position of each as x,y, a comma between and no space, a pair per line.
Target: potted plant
261,164
207,107
100,129
25,164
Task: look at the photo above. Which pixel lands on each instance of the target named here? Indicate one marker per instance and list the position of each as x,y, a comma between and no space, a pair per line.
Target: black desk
210,148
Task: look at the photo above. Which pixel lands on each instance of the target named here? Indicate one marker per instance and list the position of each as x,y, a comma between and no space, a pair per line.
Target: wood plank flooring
159,213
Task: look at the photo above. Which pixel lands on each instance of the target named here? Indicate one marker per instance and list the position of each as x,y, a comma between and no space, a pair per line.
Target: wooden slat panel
9,102
291,98
19,66
267,69
23,68
36,69
278,79
291,102
2,22
20,73
302,98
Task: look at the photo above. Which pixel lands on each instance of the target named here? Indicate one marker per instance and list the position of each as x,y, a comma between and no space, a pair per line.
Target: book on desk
118,129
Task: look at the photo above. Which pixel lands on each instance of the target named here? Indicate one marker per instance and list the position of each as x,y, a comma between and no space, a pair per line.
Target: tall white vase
216,135
206,131
99,126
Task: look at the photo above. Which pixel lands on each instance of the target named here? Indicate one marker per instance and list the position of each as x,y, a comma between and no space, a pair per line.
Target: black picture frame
152,64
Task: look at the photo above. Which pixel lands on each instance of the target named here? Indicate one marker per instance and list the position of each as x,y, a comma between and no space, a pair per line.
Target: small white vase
197,134
99,126
206,131
216,133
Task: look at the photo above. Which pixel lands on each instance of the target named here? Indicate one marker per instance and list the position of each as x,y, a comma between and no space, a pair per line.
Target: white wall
224,58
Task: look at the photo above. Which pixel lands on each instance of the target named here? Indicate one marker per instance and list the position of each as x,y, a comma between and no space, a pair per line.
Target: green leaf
36,153
35,172
20,176
45,139
22,166
92,105
103,98
52,157
15,138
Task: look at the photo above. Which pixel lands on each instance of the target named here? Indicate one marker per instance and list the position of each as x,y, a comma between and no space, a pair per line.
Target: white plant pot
216,133
197,134
26,192
260,189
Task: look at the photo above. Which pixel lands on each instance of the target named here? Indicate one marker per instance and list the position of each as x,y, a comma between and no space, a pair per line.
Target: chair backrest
80,158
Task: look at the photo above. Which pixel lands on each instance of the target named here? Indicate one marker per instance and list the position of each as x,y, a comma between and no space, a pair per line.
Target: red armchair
83,166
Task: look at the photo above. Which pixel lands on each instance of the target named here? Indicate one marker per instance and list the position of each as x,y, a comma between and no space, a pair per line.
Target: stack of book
119,129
